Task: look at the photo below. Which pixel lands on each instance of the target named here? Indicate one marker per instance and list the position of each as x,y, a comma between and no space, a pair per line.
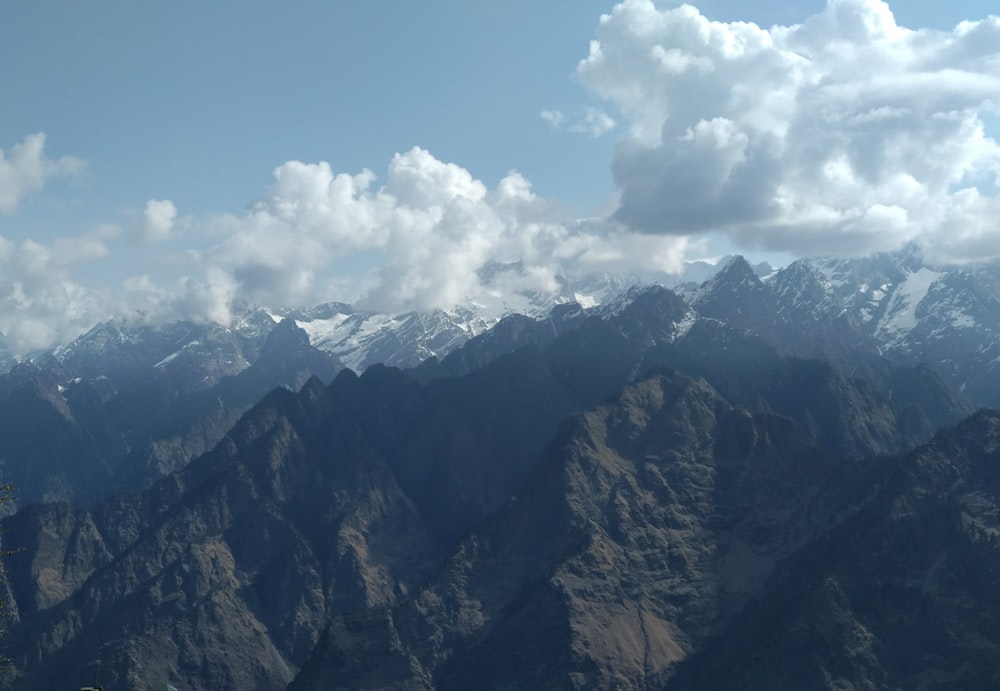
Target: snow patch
963,321
685,324
901,312
173,356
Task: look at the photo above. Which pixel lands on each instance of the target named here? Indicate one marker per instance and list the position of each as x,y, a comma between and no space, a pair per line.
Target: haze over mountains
611,492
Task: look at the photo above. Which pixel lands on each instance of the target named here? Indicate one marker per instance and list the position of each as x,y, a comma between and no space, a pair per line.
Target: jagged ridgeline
736,484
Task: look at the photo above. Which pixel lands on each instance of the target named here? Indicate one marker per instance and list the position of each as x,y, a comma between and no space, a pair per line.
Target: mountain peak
736,281
286,334
736,271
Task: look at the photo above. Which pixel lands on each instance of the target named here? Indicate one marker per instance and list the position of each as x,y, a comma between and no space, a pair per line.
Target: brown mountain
649,523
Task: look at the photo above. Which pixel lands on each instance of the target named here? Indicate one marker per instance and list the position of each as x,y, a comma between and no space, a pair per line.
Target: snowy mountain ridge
892,304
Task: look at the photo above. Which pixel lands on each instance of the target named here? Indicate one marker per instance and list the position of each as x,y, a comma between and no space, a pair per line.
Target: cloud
418,241
424,237
844,134
593,121
554,118
158,220
25,169
426,232
40,302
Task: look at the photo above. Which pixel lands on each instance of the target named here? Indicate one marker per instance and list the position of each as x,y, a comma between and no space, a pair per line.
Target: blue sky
166,125
198,101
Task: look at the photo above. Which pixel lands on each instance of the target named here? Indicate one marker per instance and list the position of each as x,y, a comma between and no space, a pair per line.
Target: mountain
192,424
900,595
55,443
713,487
146,399
669,540
882,410
315,503
325,514
358,337
194,354
362,338
129,402
846,311
852,312
126,404
648,522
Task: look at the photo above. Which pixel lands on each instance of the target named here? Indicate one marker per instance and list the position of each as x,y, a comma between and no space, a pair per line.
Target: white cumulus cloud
25,168
846,133
420,241
41,303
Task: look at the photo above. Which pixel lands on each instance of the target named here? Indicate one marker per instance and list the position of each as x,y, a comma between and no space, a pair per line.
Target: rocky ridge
123,407
345,513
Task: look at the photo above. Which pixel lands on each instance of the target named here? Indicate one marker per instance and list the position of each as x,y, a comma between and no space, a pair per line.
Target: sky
178,160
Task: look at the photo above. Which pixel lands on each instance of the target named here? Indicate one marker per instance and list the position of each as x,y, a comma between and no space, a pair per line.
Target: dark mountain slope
54,444
649,522
221,575
304,499
882,409
902,595
180,428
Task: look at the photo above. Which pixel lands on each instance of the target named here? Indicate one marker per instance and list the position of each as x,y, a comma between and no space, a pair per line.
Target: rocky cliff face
671,541
649,522
901,595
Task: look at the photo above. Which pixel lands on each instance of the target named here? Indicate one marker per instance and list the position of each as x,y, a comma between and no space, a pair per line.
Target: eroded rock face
649,523
671,541
225,574
901,595
321,502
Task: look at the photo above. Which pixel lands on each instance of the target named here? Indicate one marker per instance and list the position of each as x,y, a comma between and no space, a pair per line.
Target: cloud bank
844,134
418,241
425,235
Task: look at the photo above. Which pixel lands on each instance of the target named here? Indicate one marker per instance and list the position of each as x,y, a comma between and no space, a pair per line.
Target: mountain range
767,479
